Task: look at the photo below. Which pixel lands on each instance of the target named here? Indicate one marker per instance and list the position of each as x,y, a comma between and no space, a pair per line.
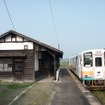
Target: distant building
24,59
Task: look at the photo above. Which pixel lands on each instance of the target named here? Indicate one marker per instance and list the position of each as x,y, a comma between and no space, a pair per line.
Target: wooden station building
24,59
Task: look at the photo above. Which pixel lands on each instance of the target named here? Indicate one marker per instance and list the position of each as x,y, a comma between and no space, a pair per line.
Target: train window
98,61
88,61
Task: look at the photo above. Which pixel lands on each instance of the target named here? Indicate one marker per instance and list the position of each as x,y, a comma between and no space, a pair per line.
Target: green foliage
64,64
39,94
100,95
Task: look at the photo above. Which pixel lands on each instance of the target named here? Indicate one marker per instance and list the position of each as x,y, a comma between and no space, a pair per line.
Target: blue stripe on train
89,78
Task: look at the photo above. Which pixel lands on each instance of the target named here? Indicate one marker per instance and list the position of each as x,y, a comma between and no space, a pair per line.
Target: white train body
89,65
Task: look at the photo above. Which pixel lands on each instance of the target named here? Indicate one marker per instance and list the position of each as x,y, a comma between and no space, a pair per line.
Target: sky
80,24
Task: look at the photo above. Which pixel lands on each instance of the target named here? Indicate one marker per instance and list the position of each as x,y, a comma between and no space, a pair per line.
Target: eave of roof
19,55
33,40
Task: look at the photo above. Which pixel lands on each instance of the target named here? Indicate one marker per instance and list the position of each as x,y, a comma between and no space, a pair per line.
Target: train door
98,67
87,68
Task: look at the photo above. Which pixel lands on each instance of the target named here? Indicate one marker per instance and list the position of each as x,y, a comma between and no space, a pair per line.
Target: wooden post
54,63
54,67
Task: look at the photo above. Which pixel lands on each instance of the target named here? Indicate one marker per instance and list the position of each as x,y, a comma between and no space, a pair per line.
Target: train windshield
88,61
98,61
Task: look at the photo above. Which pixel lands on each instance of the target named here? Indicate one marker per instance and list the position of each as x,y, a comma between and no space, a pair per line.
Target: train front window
98,61
88,61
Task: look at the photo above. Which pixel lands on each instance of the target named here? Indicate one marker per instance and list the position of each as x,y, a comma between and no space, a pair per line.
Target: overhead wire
53,22
7,9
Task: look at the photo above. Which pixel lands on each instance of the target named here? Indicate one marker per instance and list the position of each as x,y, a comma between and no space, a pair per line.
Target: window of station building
9,67
88,59
98,61
19,66
1,66
5,66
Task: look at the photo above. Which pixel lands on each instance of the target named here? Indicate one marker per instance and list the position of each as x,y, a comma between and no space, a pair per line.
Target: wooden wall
28,63
29,66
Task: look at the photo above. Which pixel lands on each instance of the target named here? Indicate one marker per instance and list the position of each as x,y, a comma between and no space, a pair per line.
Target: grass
18,85
100,95
9,90
65,64
39,94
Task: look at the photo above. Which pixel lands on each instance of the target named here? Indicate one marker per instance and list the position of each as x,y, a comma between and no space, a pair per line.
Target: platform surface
66,92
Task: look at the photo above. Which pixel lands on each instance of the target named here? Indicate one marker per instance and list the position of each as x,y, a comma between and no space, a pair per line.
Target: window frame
19,66
85,62
5,65
98,61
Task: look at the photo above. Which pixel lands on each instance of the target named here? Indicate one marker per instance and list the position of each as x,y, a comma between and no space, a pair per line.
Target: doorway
18,70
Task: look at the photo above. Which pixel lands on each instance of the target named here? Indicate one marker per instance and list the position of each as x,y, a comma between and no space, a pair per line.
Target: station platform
67,92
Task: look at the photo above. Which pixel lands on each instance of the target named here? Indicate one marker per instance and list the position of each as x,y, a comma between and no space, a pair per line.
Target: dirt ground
39,94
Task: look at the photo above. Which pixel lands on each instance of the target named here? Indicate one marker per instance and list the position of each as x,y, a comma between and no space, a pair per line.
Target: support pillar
54,67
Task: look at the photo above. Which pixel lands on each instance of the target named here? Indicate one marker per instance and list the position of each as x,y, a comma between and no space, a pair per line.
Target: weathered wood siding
28,63
29,66
6,76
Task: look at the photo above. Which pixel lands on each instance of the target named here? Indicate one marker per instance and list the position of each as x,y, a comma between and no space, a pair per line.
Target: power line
9,14
53,22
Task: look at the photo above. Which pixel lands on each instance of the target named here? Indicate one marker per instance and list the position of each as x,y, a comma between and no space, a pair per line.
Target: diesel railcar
89,66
